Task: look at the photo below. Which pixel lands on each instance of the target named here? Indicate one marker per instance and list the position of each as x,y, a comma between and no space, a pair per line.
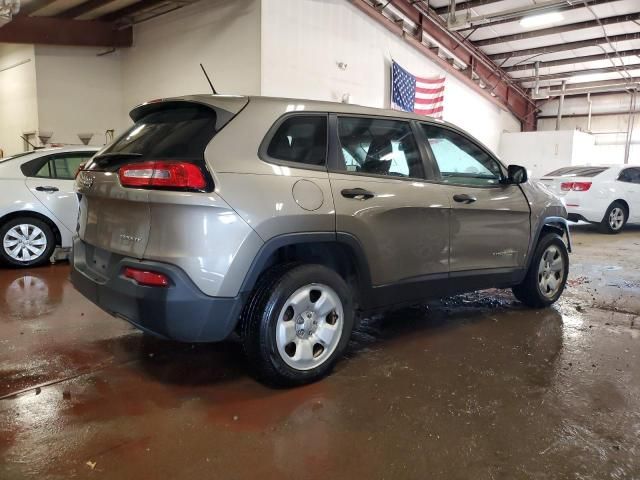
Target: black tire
260,317
41,259
529,291
606,224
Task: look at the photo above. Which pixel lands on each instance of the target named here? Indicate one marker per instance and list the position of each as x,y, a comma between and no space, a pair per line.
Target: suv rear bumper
178,312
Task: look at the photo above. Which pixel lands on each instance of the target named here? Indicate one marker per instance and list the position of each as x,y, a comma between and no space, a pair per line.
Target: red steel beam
59,31
508,96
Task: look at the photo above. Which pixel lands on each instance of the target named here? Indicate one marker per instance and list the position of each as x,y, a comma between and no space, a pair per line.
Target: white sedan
38,207
607,195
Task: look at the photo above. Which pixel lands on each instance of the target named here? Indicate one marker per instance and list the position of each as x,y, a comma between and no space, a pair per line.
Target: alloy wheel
616,218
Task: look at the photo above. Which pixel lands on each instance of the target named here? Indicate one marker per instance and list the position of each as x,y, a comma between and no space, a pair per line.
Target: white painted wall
609,131
224,35
304,40
18,98
538,152
78,92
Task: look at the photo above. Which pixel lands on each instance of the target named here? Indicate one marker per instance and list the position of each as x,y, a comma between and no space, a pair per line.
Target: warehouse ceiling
81,22
592,44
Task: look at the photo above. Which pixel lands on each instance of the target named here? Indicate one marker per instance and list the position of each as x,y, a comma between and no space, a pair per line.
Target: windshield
176,133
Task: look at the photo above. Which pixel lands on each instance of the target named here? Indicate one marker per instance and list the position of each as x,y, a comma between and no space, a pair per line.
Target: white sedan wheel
25,243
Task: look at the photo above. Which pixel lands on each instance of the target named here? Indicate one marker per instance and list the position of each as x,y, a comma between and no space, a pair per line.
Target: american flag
421,95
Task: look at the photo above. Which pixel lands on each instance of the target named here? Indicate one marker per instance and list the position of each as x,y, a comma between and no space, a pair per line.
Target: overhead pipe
630,122
560,105
590,103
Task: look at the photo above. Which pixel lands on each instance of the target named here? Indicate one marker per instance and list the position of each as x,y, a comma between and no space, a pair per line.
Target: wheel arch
34,214
549,224
340,252
624,203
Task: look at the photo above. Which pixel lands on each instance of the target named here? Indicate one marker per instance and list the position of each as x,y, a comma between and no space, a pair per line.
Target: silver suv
284,220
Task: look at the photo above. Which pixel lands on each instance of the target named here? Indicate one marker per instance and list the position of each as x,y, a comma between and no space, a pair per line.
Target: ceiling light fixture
541,19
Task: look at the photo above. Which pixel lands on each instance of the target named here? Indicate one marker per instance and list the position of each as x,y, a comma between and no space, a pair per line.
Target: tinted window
379,147
178,133
577,172
630,175
461,161
44,171
56,166
300,139
66,167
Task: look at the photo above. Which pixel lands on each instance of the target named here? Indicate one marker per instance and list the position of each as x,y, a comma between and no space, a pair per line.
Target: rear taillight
575,186
146,277
163,174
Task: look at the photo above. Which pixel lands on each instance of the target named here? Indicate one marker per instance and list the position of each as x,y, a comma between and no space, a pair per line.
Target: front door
383,199
490,221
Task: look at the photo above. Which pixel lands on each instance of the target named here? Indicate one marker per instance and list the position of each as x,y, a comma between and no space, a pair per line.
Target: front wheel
297,324
547,275
26,242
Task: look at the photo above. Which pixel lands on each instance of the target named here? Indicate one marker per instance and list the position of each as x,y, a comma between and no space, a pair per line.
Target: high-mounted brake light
575,186
146,278
162,174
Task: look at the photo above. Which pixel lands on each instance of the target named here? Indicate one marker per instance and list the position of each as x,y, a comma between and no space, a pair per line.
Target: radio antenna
208,80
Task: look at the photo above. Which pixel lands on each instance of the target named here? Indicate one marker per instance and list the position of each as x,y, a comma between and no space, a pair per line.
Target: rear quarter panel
261,192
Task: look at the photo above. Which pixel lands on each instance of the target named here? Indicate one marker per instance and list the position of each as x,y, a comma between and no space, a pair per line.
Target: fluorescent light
542,19
585,77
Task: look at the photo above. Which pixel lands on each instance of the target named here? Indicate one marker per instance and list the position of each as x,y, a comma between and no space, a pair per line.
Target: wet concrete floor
474,387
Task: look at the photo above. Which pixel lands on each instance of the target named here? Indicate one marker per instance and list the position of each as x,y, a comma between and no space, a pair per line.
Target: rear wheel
26,242
615,218
297,324
547,275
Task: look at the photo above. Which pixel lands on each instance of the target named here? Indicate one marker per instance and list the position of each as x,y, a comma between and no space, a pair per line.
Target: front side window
300,139
461,161
379,147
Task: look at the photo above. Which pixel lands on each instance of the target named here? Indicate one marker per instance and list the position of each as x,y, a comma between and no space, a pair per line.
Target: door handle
464,198
357,193
47,189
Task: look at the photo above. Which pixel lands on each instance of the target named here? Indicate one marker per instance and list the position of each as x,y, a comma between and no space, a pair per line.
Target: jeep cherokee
284,220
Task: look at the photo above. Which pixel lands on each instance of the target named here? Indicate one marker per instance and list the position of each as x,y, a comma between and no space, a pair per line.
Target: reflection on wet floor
470,387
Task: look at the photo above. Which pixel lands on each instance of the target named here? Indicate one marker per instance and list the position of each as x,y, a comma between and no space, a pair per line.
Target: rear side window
630,175
176,133
576,172
300,139
379,147
60,166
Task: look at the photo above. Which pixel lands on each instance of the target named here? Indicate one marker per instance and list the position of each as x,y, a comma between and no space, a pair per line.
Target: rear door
383,198
629,182
490,221
50,180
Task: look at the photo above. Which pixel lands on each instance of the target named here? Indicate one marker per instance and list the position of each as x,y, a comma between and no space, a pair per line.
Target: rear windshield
577,172
176,133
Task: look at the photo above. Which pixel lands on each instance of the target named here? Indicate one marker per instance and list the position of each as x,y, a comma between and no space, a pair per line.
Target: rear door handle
464,198
47,189
357,193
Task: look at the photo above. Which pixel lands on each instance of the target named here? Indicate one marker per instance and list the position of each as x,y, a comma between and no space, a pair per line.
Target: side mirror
516,174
